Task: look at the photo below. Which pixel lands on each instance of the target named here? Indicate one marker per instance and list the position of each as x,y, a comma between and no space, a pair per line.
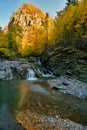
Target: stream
38,97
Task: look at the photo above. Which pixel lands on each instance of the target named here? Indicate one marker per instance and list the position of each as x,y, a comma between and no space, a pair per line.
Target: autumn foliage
30,30
71,26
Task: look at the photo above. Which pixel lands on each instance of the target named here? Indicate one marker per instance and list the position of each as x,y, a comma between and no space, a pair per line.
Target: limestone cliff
34,24
27,15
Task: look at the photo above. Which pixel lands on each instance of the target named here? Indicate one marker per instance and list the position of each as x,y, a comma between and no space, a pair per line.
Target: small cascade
31,75
45,74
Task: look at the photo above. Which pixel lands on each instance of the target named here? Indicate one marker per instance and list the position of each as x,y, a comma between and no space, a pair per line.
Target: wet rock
8,75
74,87
65,83
39,89
13,70
2,75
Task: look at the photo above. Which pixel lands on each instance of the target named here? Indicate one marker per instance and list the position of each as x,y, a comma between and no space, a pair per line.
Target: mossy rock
70,50
68,61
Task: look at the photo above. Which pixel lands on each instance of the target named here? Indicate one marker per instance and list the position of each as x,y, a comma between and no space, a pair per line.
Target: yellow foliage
3,40
34,35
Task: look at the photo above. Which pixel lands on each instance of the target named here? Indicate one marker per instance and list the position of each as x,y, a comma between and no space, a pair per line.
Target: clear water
37,96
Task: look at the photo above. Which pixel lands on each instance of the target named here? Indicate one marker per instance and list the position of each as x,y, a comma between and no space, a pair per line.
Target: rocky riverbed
10,70
17,69
32,121
69,86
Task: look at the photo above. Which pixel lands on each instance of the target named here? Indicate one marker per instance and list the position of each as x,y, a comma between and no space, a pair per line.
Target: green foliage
60,85
3,40
11,40
69,29
7,53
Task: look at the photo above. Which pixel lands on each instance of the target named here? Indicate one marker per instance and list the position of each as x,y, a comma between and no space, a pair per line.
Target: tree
72,2
68,2
11,40
3,40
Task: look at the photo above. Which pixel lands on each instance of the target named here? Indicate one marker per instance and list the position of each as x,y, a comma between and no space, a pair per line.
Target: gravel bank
32,121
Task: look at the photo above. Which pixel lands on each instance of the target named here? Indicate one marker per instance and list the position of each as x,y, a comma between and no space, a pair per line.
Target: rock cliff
27,15
30,26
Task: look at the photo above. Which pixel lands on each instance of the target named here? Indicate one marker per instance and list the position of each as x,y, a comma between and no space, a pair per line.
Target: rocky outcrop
13,70
69,86
67,61
29,25
18,69
27,15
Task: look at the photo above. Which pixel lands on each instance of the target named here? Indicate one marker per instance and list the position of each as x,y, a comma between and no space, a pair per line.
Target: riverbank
69,86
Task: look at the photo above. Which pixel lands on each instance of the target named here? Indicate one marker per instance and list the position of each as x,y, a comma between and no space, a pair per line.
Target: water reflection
8,104
17,96
23,89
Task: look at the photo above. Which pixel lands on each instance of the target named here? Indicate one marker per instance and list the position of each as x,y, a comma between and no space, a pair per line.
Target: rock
39,89
5,65
8,75
74,87
2,75
59,88
67,61
13,70
18,69
32,59
65,83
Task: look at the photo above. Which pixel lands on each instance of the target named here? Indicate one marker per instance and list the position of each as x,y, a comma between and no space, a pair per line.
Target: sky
7,7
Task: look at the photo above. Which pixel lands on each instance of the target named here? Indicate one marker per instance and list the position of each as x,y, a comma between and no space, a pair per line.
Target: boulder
2,75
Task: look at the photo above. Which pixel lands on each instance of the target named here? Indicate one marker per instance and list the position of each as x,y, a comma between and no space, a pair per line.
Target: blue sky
8,6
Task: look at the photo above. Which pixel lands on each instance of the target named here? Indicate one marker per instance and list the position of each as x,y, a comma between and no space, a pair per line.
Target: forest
68,29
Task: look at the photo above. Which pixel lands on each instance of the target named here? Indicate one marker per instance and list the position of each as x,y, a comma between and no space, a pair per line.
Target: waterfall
31,74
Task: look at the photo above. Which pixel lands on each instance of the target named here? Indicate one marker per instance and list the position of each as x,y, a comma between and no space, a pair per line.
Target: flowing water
38,97
31,75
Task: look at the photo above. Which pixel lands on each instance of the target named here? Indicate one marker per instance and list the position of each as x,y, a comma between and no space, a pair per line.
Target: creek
37,96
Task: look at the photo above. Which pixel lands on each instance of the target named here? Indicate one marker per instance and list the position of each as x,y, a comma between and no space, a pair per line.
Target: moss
70,50
59,84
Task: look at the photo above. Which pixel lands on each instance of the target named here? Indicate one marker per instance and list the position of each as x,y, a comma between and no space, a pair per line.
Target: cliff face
27,15
33,23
